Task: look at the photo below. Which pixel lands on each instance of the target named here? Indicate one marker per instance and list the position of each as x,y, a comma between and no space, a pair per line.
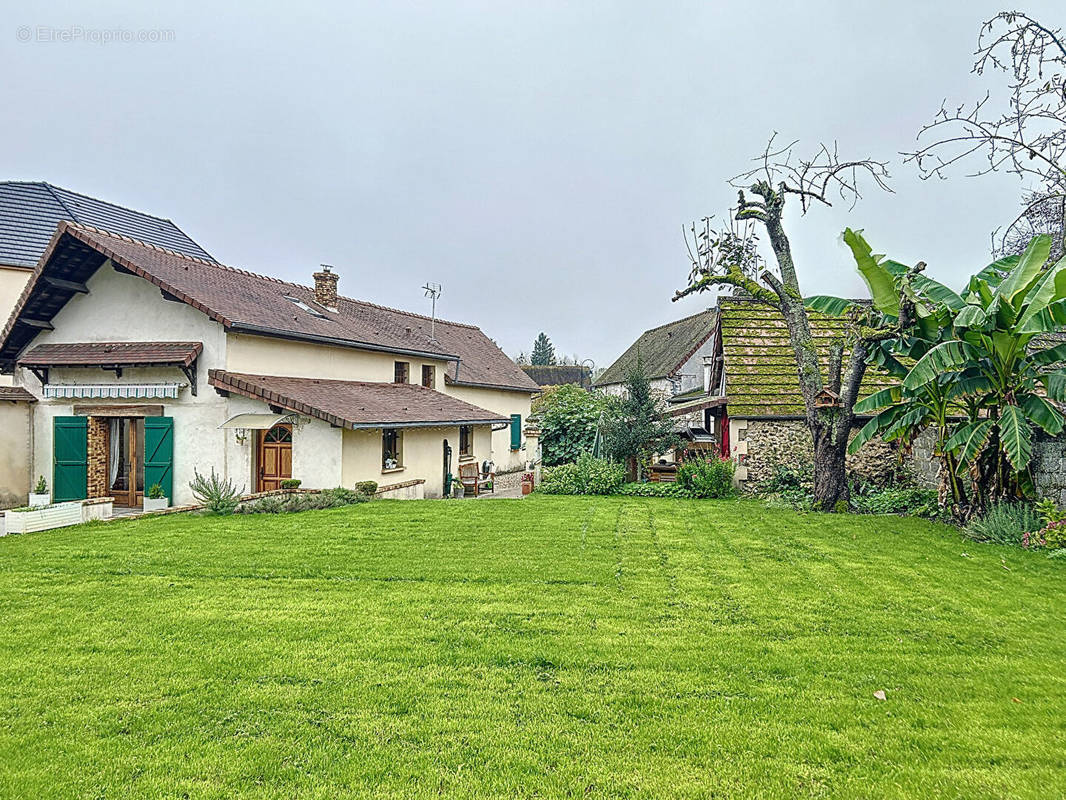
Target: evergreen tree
636,429
543,351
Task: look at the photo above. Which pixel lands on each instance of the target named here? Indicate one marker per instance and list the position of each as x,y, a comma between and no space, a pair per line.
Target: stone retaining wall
772,442
785,441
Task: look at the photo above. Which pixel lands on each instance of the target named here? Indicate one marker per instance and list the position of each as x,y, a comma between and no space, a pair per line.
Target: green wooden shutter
70,458
159,454
516,431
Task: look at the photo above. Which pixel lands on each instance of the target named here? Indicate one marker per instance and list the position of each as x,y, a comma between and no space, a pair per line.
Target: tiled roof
111,353
353,404
558,374
663,350
29,213
245,302
760,366
16,394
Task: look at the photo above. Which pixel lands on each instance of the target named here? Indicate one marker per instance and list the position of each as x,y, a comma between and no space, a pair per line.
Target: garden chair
474,480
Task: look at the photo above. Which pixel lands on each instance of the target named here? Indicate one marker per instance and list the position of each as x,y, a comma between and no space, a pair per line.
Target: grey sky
537,159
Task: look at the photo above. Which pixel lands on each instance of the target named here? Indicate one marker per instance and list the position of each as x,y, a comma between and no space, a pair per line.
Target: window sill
390,471
466,458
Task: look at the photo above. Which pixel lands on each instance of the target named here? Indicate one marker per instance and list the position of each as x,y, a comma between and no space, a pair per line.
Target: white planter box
38,500
43,519
156,503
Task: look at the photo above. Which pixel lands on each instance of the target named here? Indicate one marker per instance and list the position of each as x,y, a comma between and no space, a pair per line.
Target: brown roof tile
78,354
16,394
245,301
355,404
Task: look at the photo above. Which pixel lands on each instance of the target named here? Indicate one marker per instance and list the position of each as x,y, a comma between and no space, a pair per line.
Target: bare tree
718,260
1027,138
1041,214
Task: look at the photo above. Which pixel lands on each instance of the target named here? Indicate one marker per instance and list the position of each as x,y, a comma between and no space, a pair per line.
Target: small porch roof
355,404
112,354
16,394
254,422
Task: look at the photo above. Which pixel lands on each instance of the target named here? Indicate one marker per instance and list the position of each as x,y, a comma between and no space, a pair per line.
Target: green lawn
547,647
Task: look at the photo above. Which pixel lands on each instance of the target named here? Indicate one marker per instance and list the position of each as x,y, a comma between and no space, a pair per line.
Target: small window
304,307
429,376
466,440
391,448
402,372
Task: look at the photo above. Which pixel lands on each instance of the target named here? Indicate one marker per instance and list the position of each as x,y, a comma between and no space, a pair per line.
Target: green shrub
1005,523
155,492
710,478
568,418
327,498
366,487
291,483
912,502
652,490
219,496
587,475
42,485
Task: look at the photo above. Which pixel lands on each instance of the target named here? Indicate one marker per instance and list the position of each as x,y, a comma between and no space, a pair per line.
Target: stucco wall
262,356
127,308
505,404
12,282
15,476
423,456
760,445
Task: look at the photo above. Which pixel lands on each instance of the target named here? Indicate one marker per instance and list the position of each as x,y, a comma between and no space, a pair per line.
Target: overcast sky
537,159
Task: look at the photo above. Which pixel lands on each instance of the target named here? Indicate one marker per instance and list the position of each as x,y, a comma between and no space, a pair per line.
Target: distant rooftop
30,211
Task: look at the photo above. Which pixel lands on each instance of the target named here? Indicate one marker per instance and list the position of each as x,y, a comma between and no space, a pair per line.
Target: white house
139,363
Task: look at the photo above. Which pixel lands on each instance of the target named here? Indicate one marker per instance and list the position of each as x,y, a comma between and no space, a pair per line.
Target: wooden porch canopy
113,356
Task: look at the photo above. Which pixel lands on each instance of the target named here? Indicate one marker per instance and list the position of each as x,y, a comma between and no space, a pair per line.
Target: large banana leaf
937,292
948,356
995,272
1055,383
1050,288
878,279
1016,437
969,440
1043,413
971,317
825,304
1053,355
880,399
881,422
1026,272
1050,318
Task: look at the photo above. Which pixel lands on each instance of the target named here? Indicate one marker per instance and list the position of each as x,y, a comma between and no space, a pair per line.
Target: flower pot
527,487
39,500
156,503
42,519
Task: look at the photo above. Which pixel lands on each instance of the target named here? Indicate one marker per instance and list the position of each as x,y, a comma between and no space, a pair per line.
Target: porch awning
254,422
112,390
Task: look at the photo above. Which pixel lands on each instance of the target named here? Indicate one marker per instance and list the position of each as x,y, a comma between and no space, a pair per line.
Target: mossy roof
663,350
760,367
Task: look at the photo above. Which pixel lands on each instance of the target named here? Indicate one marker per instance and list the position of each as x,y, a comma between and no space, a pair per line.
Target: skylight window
296,301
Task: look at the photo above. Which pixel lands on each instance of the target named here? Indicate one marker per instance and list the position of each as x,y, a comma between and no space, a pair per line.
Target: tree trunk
830,474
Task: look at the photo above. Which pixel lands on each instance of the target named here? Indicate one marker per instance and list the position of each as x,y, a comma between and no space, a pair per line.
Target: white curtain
113,462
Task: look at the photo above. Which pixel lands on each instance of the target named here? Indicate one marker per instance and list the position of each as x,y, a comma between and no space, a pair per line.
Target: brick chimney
326,288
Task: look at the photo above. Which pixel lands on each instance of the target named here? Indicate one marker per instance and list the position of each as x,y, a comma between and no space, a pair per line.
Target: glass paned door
126,461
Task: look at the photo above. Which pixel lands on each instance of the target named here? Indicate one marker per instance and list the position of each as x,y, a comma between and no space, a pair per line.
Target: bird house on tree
827,399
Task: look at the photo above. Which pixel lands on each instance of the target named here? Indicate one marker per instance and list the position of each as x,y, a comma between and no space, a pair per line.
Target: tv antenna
433,291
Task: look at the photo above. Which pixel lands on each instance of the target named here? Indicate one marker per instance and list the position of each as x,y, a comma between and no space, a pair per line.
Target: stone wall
781,441
99,452
1049,468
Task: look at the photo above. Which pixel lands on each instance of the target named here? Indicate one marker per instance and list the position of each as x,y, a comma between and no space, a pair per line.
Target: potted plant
28,520
39,496
458,490
291,483
154,499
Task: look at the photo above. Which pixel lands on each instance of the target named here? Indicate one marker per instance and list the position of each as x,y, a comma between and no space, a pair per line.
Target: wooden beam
43,324
70,286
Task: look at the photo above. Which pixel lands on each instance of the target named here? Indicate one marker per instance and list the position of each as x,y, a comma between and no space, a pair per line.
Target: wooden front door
126,461
275,457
